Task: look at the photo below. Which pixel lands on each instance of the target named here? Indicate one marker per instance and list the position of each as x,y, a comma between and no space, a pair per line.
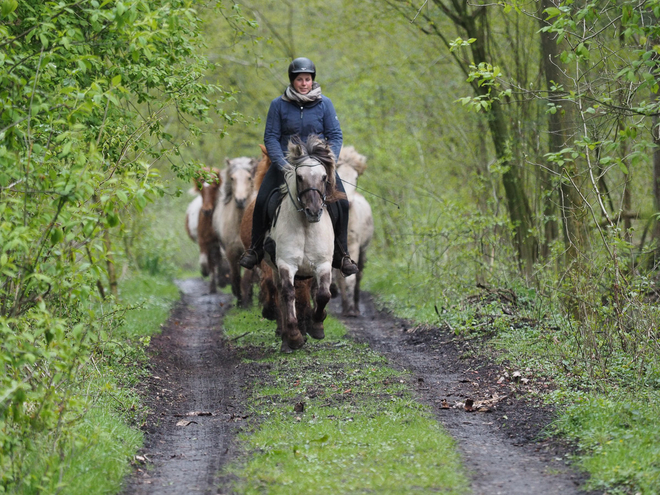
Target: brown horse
210,257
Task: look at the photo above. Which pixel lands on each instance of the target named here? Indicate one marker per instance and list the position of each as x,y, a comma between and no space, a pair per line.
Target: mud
195,370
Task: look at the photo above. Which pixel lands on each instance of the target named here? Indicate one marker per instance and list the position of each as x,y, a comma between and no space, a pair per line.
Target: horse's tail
262,167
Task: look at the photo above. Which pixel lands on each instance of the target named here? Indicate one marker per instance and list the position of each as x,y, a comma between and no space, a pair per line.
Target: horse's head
350,166
311,176
209,190
239,180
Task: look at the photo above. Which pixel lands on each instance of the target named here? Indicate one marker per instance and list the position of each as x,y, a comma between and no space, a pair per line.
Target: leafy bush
87,91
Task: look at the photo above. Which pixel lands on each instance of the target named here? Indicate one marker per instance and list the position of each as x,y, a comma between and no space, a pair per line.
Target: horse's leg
213,262
268,293
291,336
358,278
323,279
303,305
235,278
246,288
348,296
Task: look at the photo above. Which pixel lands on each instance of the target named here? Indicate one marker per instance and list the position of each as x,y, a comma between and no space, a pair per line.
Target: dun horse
300,242
267,290
350,166
237,180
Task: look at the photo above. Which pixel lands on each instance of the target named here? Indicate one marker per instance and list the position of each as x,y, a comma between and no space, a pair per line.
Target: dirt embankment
197,398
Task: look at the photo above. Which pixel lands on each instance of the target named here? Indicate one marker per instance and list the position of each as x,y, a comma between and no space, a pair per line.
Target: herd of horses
296,278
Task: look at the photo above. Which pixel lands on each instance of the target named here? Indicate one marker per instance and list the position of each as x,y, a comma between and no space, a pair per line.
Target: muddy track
194,370
502,448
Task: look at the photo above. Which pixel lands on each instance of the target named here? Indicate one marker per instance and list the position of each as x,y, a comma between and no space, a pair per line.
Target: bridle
299,206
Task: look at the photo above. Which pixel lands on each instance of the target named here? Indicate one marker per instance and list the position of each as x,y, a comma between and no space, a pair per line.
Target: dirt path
195,370
499,447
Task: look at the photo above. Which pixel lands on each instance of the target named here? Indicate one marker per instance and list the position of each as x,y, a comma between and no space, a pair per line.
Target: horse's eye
325,178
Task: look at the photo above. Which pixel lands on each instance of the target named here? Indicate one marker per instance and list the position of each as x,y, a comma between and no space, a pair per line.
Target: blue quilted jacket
286,119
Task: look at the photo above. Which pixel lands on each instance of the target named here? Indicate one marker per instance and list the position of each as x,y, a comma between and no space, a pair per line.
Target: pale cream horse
350,166
300,242
237,189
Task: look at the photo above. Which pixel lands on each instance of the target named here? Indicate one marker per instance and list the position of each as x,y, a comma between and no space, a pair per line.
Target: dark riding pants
338,212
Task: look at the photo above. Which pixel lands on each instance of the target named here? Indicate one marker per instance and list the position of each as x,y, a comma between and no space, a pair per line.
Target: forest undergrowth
606,394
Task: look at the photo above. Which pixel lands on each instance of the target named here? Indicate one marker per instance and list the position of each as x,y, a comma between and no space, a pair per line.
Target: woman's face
303,83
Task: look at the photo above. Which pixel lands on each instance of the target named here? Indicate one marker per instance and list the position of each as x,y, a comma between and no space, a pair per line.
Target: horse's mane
242,162
349,156
319,150
262,167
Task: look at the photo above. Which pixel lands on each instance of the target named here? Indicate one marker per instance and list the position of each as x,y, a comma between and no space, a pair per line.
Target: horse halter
300,193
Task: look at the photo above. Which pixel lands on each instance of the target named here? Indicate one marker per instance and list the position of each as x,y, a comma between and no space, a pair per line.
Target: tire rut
501,458
193,370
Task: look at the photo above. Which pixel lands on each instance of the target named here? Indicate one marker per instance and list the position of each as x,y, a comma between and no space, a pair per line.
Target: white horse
237,191
192,216
303,237
350,166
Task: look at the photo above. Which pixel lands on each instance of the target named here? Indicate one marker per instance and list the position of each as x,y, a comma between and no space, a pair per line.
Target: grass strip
360,430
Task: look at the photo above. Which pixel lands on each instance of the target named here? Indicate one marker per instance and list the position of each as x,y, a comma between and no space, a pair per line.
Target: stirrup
348,266
249,259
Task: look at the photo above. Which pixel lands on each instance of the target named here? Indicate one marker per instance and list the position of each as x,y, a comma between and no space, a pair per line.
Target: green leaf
116,81
8,6
56,235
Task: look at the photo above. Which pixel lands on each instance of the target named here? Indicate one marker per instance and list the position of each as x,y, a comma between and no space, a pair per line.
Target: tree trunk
570,204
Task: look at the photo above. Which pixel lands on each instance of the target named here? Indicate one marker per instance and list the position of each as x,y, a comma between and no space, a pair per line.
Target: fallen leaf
501,379
185,422
516,376
444,404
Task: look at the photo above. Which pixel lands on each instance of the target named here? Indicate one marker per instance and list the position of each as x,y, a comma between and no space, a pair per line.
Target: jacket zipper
301,112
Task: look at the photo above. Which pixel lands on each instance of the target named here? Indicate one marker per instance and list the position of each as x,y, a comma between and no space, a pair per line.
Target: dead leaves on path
470,405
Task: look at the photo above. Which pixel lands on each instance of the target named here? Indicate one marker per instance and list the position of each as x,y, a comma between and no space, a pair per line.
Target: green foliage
87,89
360,429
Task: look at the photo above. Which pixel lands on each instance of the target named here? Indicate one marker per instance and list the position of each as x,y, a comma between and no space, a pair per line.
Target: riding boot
339,215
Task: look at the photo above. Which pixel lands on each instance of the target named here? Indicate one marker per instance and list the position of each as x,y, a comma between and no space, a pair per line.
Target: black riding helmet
301,65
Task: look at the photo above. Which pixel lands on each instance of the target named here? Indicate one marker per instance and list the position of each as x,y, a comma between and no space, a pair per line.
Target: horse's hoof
334,290
351,313
285,349
316,331
296,342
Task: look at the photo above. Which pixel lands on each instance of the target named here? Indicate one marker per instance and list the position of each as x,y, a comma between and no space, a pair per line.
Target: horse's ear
264,151
254,163
227,162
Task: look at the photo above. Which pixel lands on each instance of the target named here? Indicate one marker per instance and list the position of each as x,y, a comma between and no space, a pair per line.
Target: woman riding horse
303,111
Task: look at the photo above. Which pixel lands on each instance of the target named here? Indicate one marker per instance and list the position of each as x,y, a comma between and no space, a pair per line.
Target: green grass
360,430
